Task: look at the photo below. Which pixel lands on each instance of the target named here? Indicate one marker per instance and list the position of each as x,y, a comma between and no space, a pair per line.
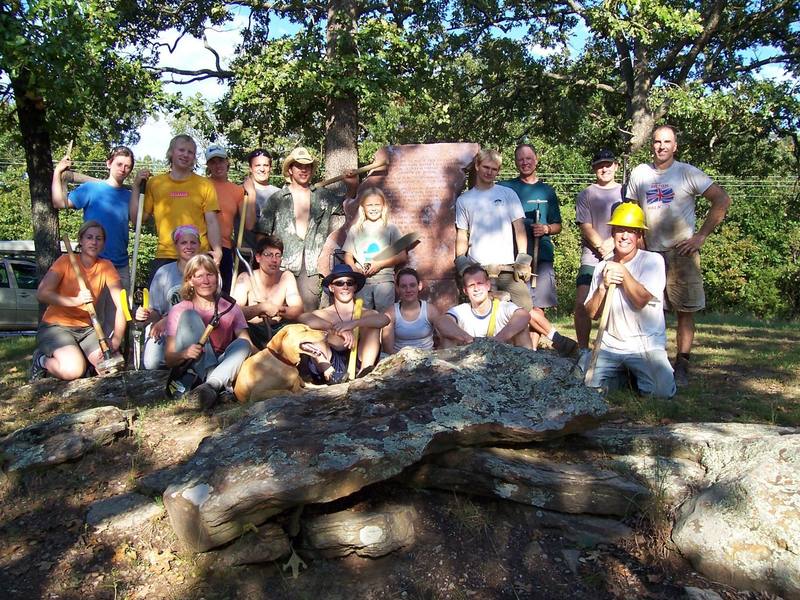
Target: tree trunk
341,123
641,118
39,160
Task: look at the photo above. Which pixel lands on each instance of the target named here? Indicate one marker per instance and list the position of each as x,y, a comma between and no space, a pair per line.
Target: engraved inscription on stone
422,183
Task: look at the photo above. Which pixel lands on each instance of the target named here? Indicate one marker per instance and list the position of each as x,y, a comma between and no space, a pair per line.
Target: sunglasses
343,283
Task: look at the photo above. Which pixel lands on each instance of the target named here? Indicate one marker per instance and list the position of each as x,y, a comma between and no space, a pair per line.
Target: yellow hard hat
628,214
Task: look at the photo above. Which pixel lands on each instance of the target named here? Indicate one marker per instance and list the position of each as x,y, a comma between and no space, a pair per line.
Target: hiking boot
38,372
681,371
204,396
566,347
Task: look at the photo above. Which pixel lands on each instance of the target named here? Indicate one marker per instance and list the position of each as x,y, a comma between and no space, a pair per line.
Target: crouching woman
217,362
66,339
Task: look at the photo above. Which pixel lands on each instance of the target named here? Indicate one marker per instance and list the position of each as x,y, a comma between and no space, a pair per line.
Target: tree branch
208,47
750,67
710,27
594,84
197,74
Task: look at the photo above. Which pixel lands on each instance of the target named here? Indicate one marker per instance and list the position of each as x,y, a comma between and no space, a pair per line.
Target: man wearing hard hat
635,337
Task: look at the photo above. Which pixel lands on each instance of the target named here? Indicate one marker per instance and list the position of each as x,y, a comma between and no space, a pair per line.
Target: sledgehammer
111,363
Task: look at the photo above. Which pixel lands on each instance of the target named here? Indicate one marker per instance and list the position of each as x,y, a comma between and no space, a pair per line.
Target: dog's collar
280,358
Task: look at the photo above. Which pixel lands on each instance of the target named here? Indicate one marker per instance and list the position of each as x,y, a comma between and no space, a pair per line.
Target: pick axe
365,169
112,363
536,242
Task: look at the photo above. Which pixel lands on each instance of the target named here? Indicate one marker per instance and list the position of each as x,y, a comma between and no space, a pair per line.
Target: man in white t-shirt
666,190
635,338
480,318
489,220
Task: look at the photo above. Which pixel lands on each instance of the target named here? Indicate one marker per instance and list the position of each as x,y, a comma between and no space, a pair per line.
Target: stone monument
422,182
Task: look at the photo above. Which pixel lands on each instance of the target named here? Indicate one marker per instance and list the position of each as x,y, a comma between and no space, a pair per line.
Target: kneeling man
339,320
635,338
482,316
270,299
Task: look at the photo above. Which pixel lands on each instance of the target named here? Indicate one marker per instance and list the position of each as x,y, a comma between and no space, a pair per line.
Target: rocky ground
54,543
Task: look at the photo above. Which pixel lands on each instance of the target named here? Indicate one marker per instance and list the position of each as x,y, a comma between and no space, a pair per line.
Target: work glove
522,267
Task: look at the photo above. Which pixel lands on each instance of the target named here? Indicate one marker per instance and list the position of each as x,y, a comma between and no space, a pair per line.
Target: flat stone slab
327,443
531,477
698,442
124,512
63,438
267,543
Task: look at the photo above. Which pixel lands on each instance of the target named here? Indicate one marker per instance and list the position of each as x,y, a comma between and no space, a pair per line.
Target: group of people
504,259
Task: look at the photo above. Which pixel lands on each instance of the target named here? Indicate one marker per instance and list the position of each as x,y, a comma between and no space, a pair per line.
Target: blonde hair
362,198
197,262
174,142
485,154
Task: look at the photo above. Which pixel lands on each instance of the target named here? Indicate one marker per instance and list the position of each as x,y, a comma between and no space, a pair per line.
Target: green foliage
64,54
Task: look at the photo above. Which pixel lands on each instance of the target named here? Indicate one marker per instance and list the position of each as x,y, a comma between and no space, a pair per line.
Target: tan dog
274,371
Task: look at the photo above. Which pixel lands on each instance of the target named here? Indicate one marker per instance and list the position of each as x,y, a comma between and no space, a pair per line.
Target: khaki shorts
50,337
684,292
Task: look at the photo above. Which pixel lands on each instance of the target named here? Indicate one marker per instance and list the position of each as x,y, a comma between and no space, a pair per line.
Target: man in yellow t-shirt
179,197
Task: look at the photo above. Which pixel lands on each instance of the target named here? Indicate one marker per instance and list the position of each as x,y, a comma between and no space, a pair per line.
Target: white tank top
417,333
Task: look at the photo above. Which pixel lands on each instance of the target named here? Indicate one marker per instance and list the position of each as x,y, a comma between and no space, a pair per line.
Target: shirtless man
343,283
302,217
270,300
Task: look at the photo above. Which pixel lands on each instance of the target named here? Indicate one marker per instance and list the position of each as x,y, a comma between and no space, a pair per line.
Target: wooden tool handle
535,261
601,329
78,274
364,169
239,238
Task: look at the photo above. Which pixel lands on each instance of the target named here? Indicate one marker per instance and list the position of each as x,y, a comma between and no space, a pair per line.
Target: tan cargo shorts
684,291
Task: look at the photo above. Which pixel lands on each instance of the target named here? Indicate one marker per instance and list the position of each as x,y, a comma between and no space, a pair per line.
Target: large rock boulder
327,443
63,438
744,529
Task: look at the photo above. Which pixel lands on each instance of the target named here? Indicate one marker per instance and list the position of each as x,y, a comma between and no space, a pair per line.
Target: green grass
15,356
743,370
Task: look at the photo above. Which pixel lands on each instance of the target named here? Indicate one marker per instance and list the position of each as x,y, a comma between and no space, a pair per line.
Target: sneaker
204,396
38,372
565,346
681,372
